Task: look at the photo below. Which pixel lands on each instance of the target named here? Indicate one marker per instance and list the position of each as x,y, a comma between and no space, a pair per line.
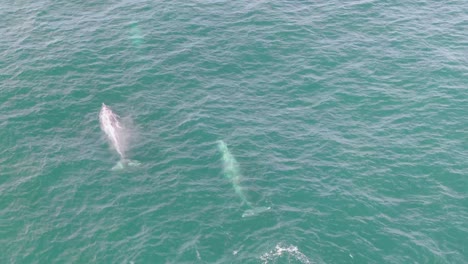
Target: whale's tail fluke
124,163
255,211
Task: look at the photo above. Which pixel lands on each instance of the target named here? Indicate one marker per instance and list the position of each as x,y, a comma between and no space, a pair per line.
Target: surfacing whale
232,172
116,134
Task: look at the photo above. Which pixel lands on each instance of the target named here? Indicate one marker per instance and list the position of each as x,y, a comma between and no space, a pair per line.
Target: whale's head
222,146
104,107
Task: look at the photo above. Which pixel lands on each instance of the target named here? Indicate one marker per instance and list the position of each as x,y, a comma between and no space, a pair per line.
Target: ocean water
347,118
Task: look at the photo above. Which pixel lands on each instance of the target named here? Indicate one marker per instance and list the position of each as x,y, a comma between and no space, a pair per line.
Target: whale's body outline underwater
232,172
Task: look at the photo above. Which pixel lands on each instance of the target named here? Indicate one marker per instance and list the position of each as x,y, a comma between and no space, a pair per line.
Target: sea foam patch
280,253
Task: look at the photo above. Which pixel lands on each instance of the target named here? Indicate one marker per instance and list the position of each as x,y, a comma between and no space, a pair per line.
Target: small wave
291,253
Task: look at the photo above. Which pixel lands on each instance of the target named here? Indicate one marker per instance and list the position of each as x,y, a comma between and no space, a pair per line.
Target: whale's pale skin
114,131
117,135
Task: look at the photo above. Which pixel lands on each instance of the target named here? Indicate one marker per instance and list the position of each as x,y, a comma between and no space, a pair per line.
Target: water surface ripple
347,118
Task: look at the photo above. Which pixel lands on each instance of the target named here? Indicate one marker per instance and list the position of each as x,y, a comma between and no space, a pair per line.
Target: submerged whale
117,135
232,172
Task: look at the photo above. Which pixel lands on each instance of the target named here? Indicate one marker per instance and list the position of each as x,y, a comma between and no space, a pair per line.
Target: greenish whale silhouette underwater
232,172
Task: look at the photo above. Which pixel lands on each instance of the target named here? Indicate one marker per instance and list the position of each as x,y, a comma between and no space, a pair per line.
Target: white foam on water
255,211
291,252
234,252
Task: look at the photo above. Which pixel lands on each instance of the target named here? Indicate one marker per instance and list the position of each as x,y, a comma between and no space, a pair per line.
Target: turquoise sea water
348,118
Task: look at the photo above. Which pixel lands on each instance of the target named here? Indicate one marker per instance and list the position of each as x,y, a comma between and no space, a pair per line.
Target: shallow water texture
348,118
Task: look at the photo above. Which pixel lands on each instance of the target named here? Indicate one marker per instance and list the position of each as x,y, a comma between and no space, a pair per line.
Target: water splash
291,253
